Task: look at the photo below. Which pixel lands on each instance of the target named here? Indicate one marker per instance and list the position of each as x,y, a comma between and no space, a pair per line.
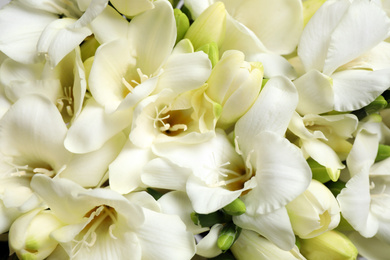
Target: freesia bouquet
196,129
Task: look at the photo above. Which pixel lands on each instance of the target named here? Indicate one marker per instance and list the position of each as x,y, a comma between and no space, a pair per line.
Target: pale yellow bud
329,245
314,211
235,84
209,26
251,245
29,235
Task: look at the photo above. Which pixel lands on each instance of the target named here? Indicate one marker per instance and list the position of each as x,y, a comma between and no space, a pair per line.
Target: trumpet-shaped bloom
101,224
31,141
325,50
364,200
127,70
281,173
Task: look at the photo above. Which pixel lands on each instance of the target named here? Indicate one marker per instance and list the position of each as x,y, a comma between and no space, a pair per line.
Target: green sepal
211,49
235,208
228,235
319,172
376,105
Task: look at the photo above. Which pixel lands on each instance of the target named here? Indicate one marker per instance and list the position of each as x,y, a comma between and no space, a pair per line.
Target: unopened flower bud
383,152
329,245
229,234
29,235
235,84
376,105
314,211
182,24
209,26
235,208
211,49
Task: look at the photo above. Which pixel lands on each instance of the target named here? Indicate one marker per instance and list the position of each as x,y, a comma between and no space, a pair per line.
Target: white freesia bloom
127,70
314,212
281,172
324,138
325,50
65,85
102,224
364,201
54,28
31,141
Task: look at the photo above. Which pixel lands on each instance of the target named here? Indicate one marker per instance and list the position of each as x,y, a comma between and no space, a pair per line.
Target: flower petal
354,89
94,127
164,236
153,33
279,33
125,171
371,28
315,39
272,111
281,173
32,131
178,203
89,169
21,28
163,174
315,93
275,226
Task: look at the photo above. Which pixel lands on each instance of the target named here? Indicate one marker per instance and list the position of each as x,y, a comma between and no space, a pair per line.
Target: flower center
66,8
135,79
16,170
102,218
171,122
65,103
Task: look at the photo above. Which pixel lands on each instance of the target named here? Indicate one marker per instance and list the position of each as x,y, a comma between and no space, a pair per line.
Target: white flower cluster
230,129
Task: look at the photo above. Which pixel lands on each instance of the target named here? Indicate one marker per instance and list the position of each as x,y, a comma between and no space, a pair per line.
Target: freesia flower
333,81
101,223
364,200
31,142
125,71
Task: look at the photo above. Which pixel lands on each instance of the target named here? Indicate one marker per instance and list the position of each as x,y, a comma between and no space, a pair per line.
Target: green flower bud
228,236
329,245
235,208
383,152
182,24
211,49
209,26
376,105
